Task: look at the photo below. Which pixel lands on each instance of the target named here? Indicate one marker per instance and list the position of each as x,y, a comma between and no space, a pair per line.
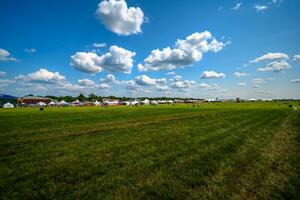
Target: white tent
145,102
133,103
51,103
97,103
153,102
63,103
41,104
8,105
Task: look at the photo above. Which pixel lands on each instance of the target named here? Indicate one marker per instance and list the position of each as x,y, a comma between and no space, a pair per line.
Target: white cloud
239,74
237,6
86,82
261,8
162,87
184,84
211,74
275,67
209,86
110,78
270,56
257,80
117,59
86,62
171,73
31,50
104,86
99,45
145,80
185,53
2,73
120,19
241,84
296,80
5,56
42,76
296,57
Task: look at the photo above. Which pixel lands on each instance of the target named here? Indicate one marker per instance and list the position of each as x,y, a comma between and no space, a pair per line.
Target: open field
214,151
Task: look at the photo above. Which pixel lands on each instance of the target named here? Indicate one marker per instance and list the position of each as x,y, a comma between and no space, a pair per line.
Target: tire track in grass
213,155
33,175
220,184
119,137
268,178
165,162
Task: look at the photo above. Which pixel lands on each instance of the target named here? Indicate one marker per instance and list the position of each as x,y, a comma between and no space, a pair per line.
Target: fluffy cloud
275,67
86,62
209,86
186,52
86,82
99,45
270,56
31,50
211,74
261,8
237,6
110,78
171,73
145,80
296,80
5,56
2,73
120,19
182,84
117,59
239,74
103,86
296,57
162,87
42,76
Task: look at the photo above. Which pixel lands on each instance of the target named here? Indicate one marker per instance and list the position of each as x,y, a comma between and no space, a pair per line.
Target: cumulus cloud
145,80
209,86
171,73
237,6
162,87
42,76
120,19
2,73
5,56
182,84
296,80
117,59
104,86
30,50
239,74
211,74
270,56
185,53
296,57
86,82
99,45
261,8
110,78
276,66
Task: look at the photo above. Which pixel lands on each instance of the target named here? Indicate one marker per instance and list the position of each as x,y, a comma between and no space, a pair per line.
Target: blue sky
248,49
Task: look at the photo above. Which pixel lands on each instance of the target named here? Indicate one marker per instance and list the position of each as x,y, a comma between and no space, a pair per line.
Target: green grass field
214,151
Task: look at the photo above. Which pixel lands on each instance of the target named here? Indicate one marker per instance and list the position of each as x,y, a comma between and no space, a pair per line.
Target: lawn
211,151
